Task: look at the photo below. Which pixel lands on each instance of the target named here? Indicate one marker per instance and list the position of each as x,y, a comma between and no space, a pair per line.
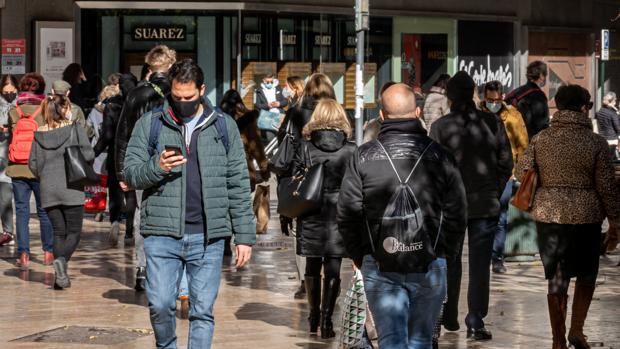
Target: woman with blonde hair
325,140
64,204
294,90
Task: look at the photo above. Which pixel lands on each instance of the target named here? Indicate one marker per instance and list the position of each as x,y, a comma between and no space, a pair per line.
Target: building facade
238,42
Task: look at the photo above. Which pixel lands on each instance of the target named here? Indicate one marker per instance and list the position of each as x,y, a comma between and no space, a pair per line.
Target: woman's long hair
55,108
232,104
297,86
328,115
73,74
319,86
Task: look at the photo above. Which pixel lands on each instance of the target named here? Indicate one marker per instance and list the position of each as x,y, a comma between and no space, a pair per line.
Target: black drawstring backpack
403,244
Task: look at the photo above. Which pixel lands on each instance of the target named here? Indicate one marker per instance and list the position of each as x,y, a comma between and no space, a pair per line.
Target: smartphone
174,148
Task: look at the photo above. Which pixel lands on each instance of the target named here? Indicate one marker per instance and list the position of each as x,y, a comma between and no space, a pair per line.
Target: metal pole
361,25
239,48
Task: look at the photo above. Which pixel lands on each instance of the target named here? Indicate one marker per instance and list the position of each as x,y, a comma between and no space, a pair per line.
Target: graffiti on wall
483,69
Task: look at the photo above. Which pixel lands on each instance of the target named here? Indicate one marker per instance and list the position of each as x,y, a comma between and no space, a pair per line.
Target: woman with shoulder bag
325,141
63,203
576,193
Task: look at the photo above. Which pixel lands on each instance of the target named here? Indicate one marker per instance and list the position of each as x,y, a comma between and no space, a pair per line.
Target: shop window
288,40
423,58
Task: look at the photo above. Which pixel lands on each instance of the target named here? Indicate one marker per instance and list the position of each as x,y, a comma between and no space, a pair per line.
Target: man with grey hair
405,298
608,123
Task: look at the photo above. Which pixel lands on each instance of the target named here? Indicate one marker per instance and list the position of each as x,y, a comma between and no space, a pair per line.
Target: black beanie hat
461,87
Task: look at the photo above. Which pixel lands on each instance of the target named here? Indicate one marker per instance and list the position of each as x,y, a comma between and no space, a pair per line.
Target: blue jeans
165,259
502,226
22,190
405,307
183,287
480,235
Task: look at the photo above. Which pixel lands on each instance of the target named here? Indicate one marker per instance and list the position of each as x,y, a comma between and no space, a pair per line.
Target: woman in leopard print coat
577,191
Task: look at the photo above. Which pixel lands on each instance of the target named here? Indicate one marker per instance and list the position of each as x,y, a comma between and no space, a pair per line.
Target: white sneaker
114,232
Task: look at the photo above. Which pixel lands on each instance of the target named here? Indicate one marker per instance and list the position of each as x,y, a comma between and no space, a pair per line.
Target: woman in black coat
325,140
609,123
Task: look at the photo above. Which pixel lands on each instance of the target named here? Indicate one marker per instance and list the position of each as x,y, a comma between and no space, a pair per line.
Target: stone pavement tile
255,308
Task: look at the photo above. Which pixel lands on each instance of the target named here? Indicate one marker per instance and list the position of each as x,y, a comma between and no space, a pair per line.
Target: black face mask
184,109
9,96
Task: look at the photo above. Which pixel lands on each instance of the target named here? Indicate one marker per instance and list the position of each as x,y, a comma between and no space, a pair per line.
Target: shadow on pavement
127,296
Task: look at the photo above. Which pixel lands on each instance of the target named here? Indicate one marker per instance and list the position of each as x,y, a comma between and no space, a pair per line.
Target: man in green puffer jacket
196,193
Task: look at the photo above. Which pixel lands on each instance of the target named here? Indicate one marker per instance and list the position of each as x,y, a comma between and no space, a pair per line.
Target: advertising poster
55,49
423,58
13,56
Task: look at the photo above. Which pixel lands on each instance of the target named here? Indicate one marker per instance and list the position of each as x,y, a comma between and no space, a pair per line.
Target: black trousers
330,266
117,197
67,224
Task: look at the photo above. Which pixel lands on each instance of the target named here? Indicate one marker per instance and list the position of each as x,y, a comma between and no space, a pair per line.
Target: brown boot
581,304
557,315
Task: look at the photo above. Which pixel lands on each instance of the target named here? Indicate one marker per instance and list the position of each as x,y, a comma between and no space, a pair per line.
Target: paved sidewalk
255,308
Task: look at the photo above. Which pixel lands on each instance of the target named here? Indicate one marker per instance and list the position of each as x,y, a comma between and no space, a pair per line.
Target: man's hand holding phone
170,158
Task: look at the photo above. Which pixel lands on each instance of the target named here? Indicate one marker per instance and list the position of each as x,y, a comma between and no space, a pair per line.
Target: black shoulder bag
79,172
303,193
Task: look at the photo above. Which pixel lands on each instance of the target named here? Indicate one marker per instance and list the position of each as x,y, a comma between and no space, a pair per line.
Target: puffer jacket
318,234
142,99
481,148
370,182
436,105
515,129
608,123
224,177
576,176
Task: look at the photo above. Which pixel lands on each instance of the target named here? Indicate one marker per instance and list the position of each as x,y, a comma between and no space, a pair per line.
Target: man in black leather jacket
148,95
366,190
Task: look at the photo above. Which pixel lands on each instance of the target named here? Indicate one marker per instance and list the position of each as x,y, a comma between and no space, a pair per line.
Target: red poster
411,59
13,46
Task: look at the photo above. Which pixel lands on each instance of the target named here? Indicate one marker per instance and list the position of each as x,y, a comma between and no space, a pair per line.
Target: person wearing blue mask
269,97
517,135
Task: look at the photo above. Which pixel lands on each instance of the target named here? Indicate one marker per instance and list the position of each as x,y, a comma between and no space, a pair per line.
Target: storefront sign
55,49
167,33
605,44
289,39
322,40
253,39
13,56
351,41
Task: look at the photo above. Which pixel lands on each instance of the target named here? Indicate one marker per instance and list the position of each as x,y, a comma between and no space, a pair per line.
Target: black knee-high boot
331,289
313,292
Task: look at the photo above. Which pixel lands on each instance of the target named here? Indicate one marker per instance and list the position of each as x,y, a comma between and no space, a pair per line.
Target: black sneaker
498,267
480,334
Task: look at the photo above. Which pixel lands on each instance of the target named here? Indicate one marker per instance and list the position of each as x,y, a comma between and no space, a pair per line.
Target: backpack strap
222,128
19,111
36,112
156,125
414,166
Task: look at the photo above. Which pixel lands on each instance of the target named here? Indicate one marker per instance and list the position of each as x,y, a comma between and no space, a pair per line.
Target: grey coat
47,163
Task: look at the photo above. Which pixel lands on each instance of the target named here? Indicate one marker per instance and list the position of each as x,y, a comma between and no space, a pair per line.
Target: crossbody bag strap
414,166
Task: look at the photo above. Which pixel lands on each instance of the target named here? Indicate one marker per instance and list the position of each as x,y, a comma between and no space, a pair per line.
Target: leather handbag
79,172
524,198
281,162
302,194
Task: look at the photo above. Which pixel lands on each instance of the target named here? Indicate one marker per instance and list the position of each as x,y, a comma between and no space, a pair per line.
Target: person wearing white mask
517,135
269,96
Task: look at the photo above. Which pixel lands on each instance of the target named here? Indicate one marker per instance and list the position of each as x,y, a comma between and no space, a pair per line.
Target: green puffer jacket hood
225,179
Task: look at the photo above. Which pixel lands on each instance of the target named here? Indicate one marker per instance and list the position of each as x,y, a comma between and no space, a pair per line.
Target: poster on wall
13,56
489,57
55,45
423,58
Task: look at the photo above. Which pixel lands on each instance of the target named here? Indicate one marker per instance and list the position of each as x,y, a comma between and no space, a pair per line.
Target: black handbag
303,193
282,161
79,172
